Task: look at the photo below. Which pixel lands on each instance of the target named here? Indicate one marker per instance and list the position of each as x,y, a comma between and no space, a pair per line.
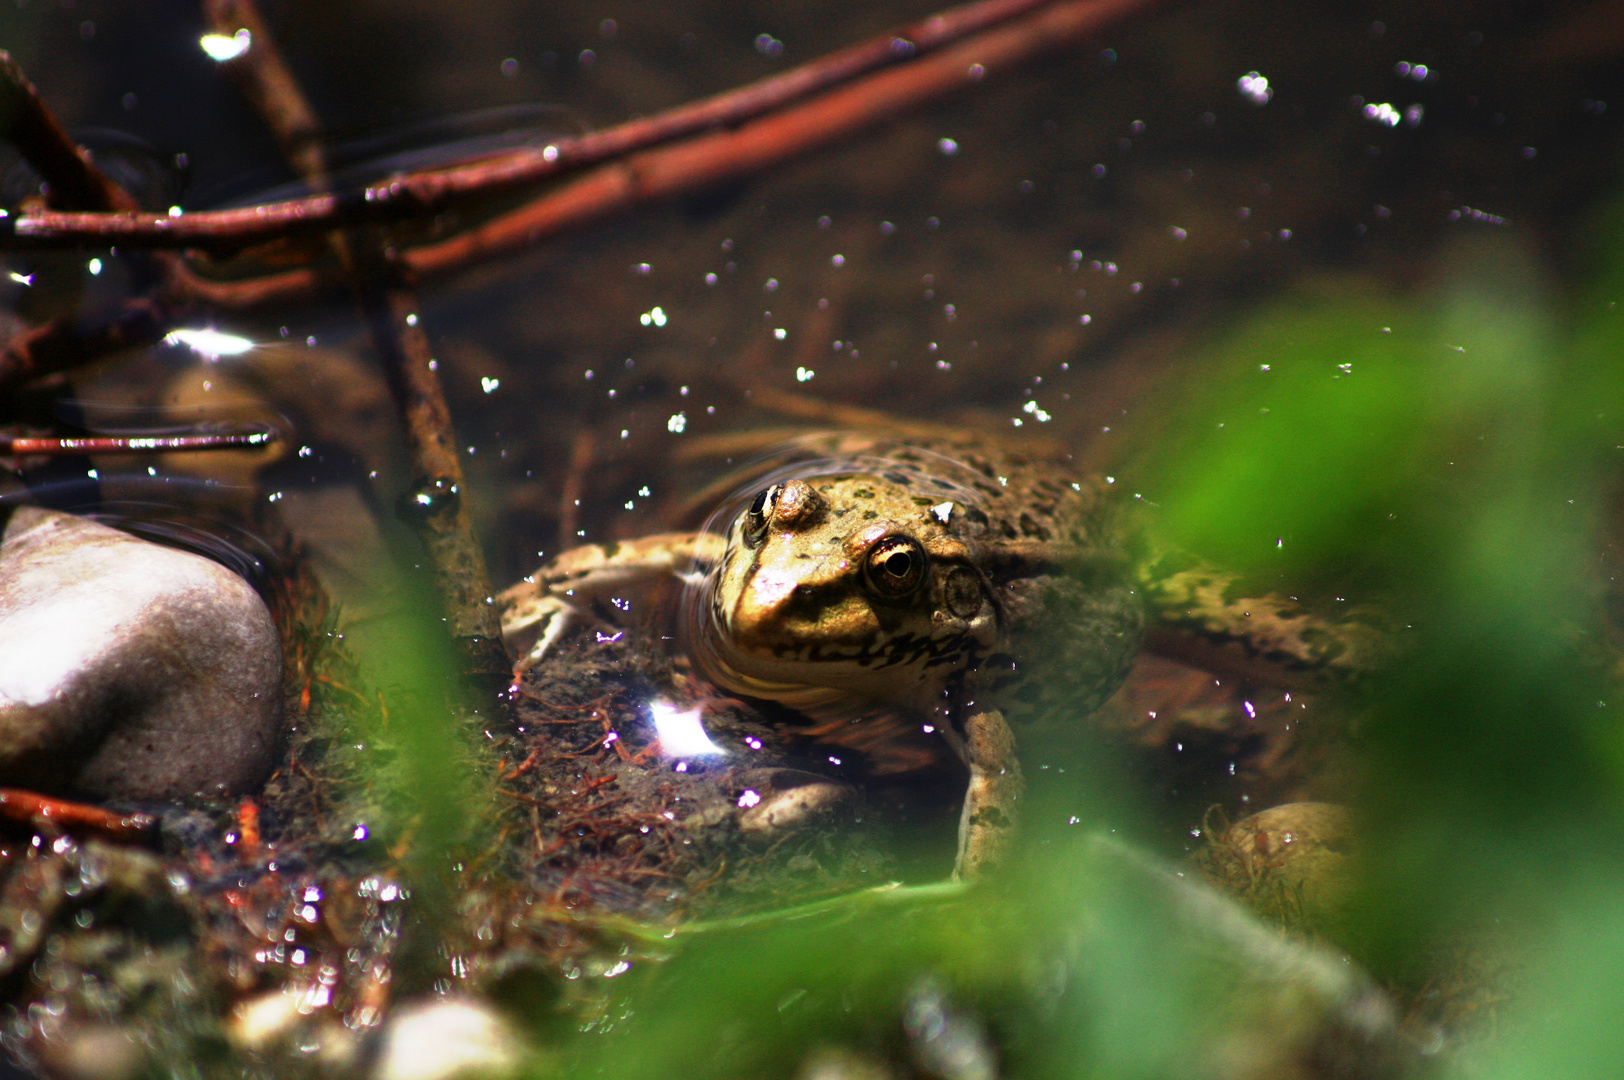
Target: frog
962,584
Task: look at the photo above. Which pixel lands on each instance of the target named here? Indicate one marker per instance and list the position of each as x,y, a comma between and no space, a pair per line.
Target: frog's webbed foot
533,623
538,610
987,825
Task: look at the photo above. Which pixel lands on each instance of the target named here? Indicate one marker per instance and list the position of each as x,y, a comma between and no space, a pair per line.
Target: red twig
721,156
429,191
718,157
134,444
38,810
991,37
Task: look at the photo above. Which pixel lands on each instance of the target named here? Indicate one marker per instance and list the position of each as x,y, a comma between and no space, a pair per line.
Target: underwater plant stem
443,522
1029,27
390,306
265,79
72,181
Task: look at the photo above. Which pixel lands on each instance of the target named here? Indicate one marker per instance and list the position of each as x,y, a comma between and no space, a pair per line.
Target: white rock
439,1040
130,669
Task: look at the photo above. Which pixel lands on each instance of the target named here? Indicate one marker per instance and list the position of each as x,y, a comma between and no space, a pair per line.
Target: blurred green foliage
1451,453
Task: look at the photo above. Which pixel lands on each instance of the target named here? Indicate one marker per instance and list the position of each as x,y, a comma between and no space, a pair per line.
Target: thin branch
390,306
704,162
44,812
71,181
429,191
264,78
648,176
24,445
697,164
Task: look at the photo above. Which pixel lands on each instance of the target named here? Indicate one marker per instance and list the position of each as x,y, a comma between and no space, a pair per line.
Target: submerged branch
388,302
430,191
72,182
718,140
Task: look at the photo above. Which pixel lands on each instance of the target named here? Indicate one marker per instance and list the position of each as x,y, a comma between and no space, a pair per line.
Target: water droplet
1254,88
428,499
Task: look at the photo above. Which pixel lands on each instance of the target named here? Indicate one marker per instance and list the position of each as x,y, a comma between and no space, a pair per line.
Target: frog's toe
545,620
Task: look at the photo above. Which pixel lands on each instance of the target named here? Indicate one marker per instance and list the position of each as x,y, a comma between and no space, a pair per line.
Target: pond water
1072,252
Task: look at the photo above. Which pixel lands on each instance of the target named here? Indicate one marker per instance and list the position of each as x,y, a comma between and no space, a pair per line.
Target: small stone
452,1037
789,800
129,669
841,1063
259,1021
1292,863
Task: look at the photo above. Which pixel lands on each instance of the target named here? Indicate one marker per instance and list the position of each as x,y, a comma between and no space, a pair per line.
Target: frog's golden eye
895,566
755,518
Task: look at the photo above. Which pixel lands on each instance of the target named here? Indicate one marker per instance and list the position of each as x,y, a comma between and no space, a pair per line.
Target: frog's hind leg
987,825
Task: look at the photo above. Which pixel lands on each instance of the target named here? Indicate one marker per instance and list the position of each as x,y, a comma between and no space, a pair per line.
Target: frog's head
843,586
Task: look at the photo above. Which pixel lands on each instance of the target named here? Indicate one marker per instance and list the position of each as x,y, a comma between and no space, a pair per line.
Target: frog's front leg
536,612
987,824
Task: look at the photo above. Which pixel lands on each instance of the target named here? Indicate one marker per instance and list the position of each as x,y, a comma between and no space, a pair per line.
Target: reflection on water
681,731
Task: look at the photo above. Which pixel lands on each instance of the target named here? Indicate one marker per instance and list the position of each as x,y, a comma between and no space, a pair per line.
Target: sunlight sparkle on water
209,343
222,48
1254,88
680,731
1383,113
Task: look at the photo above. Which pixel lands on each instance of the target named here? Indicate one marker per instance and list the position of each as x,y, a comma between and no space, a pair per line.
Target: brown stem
722,156
264,78
569,501
429,191
435,504
71,181
389,303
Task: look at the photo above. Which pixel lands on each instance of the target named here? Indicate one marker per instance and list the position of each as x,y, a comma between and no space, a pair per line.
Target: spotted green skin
1023,601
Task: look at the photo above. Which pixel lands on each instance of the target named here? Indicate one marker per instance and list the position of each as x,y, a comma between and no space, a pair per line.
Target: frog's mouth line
705,640
845,681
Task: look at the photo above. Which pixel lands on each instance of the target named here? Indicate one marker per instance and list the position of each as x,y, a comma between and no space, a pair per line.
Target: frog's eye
895,566
755,518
